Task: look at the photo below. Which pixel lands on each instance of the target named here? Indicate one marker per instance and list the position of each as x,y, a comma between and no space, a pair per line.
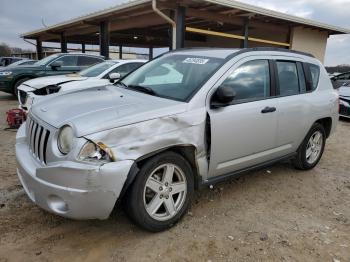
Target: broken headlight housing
92,152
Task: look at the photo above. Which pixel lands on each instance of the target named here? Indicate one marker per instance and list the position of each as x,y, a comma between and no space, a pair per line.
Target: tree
5,50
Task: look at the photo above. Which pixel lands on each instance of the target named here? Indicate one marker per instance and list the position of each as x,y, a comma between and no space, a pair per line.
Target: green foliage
5,50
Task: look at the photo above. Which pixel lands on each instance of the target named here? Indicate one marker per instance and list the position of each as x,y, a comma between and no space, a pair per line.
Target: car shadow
7,97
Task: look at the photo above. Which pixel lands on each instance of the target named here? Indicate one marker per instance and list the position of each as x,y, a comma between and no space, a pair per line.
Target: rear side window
288,78
315,75
88,60
251,80
68,60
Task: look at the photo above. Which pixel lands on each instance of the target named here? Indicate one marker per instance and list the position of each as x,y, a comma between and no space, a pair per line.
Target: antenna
43,22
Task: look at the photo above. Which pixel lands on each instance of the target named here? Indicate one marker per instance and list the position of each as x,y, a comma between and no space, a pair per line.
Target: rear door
293,106
243,134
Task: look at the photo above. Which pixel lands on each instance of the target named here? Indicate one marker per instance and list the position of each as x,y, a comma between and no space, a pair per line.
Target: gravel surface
275,214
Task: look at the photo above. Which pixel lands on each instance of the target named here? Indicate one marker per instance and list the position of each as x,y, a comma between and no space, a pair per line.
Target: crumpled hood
344,91
101,108
41,82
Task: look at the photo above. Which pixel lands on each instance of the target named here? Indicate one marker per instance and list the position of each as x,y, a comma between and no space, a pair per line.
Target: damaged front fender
133,142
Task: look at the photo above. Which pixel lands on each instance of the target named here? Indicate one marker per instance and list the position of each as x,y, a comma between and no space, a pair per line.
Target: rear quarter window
315,75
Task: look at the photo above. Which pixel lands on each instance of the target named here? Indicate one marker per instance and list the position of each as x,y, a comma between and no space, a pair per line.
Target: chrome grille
37,139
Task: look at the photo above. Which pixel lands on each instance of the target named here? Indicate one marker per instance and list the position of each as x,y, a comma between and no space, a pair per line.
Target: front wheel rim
314,147
165,192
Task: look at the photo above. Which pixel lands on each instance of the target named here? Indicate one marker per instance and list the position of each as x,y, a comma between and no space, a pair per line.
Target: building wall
310,41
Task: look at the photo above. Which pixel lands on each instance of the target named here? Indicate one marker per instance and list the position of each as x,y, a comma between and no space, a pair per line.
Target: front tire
311,150
161,193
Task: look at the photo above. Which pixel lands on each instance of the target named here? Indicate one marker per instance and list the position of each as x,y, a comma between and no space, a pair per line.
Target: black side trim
274,77
308,77
225,177
131,176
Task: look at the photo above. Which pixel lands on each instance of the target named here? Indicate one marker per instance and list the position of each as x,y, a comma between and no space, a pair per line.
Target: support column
180,19
120,52
170,32
83,47
39,49
63,43
244,43
104,39
150,53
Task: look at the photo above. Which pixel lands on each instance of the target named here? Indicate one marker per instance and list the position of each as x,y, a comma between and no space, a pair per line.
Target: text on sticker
198,61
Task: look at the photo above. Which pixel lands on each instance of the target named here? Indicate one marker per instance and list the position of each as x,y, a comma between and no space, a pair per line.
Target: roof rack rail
277,49
244,50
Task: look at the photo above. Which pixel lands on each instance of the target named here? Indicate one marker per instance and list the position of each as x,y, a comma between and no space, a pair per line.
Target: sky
20,16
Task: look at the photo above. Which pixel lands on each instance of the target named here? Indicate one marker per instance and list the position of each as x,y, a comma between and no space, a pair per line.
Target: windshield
177,77
46,60
97,69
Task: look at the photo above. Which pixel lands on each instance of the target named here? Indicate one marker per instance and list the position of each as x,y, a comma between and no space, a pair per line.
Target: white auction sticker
198,61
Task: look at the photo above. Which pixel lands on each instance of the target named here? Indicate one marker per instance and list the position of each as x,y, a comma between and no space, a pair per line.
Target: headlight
65,139
5,73
95,152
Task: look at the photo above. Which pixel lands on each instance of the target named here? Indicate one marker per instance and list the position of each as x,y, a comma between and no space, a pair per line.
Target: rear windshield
176,77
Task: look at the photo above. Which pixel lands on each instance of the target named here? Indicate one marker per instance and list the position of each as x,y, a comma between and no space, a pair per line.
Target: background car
97,75
5,61
344,100
340,79
23,62
57,64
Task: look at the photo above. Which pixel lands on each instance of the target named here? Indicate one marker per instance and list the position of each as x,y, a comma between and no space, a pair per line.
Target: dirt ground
275,214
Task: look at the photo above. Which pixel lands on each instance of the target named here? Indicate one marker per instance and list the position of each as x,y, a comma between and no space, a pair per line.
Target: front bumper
70,189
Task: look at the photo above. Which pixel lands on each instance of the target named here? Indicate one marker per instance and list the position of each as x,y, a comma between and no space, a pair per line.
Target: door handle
268,110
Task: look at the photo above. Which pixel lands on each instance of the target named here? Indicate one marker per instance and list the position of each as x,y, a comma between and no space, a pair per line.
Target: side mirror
113,77
56,64
223,96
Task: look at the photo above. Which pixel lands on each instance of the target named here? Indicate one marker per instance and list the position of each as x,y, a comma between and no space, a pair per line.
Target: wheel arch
186,151
327,124
19,78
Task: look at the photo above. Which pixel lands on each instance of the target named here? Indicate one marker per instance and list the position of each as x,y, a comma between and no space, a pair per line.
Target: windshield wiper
144,89
121,83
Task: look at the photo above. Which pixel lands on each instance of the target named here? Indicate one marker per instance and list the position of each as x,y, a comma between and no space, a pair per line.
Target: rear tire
17,84
311,150
161,193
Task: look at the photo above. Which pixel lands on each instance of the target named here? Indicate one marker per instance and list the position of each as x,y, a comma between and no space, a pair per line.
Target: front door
243,134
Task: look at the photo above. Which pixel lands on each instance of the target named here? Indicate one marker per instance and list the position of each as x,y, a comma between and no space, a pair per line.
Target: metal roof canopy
137,24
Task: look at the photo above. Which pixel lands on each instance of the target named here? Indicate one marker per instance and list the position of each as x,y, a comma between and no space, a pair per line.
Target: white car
98,75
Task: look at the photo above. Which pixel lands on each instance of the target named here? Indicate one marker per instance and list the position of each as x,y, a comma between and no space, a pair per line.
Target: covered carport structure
188,23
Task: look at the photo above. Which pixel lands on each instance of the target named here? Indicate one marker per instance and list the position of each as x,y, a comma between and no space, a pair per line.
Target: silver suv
187,119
